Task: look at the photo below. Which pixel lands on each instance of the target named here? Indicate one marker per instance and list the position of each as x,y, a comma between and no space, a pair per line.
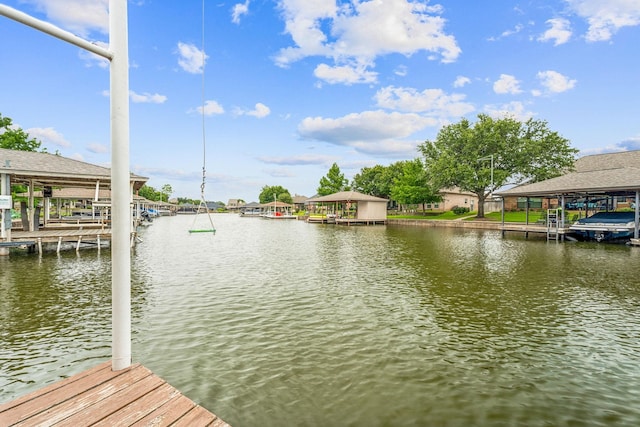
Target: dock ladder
553,224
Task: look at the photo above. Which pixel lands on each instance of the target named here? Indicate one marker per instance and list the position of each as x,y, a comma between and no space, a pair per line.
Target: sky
273,92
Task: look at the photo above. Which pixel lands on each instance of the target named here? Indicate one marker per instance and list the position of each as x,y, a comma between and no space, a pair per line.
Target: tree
412,186
333,182
492,153
375,181
149,193
15,138
275,192
166,190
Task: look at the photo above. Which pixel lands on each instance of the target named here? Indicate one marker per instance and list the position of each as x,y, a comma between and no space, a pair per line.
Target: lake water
279,322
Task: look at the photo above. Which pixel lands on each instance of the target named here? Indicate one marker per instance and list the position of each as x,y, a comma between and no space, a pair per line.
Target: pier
134,396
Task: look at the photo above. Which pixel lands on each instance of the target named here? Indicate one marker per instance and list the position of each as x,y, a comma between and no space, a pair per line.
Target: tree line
477,157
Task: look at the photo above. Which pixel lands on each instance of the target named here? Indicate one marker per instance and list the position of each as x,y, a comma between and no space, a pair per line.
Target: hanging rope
203,201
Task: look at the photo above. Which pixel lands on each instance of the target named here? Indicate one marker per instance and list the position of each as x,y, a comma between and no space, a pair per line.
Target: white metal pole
120,249
52,30
636,231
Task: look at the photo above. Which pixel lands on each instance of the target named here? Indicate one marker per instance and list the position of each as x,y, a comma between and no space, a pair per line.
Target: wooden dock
130,397
73,235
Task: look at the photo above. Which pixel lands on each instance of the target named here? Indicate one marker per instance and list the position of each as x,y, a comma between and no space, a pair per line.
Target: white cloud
461,81
94,147
344,74
401,70
507,84
191,58
210,108
560,31
304,159
260,111
239,10
80,17
605,18
147,98
554,82
433,102
514,109
48,136
344,33
372,132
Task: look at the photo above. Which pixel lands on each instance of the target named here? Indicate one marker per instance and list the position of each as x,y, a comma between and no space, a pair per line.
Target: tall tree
275,192
167,190
491,153
412,186
375,181
149,193
333,182
15,138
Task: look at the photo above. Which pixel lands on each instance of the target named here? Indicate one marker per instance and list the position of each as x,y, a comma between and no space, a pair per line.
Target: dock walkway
130,397
62,234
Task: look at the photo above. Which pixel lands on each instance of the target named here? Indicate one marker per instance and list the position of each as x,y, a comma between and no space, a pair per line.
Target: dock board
129,397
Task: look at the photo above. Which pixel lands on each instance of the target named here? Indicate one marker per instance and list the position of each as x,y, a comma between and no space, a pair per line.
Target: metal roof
46,169
347,196
599,174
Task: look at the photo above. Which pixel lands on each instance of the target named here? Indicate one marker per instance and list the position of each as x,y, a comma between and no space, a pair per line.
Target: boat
279,215
279,212
252,212
605,226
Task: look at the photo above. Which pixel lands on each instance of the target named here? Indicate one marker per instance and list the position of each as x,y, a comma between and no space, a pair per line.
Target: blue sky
292,86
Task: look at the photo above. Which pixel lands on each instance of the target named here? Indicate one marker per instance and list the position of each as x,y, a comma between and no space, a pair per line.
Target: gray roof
606,174
47,169
346,196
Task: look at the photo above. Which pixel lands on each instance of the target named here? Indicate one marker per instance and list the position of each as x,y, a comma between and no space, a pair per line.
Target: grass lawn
433,215
493,216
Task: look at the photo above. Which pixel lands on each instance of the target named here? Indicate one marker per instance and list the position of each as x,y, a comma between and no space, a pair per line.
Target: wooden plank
140,408
197,416
64,402
168,413
112,403
101,397
44,394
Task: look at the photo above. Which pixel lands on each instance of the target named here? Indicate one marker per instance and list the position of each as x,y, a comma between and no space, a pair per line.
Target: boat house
610,179
348,207
46,175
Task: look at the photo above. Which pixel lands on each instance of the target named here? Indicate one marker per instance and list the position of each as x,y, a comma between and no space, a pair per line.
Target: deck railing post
120,249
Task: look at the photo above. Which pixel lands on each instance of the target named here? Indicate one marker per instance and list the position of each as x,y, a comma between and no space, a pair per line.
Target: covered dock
348,208
610,178
47,178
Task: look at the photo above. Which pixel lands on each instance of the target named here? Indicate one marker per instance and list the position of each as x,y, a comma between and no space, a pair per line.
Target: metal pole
635,232
120,249
52,30
492,173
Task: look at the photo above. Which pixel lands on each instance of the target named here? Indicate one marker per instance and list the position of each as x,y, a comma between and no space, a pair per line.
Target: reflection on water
285,323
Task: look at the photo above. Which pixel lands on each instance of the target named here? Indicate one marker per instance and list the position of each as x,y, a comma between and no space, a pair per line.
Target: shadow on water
278,322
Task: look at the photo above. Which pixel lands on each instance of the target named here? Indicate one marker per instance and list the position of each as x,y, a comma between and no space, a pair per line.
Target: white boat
605,226
279,212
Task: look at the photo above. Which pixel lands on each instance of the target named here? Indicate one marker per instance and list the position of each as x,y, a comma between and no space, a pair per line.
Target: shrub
459,210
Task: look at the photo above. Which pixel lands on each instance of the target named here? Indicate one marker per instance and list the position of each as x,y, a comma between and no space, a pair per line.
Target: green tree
167,190
412,186
149,193
491,153
333,182
15,139
375,181
275,192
